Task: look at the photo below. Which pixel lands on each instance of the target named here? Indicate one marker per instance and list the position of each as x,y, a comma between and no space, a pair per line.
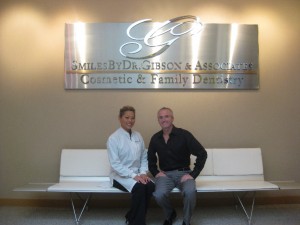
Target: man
174,146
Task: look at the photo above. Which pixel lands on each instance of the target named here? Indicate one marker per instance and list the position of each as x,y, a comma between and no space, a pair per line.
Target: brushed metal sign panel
181,53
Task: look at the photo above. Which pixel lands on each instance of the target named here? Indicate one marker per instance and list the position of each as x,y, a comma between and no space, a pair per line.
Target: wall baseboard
115,202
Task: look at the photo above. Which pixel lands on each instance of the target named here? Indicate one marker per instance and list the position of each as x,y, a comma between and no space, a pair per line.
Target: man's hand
186,177
160,174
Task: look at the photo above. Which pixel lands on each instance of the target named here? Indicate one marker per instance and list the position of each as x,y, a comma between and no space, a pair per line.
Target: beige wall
38,117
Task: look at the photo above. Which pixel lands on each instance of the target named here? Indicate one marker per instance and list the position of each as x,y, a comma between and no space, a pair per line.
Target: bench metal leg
77,217
248,214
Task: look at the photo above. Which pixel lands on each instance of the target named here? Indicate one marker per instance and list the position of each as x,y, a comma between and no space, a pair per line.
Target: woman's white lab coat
127,156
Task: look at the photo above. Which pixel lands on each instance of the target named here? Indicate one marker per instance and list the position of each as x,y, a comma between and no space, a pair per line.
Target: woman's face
127,120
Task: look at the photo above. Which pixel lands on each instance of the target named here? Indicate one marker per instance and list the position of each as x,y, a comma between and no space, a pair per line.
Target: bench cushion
238,185
237,161
84,163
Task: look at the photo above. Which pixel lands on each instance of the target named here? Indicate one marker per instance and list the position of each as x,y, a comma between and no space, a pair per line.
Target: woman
128,160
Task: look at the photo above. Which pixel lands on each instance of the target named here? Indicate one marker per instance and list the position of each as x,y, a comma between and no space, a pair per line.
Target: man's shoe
167,222
171,219
183,223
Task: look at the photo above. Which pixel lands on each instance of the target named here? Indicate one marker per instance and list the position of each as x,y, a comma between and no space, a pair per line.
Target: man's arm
199,151
152,159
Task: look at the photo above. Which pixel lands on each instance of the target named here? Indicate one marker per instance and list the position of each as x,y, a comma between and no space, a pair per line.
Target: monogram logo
159,38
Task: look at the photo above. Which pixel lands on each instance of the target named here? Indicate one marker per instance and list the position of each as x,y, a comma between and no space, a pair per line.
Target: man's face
165,118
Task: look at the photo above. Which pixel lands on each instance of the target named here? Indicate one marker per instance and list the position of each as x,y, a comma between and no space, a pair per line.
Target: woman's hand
142,178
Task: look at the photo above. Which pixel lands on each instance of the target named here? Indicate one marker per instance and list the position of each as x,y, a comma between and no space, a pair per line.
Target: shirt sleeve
144,162
199,151
152,159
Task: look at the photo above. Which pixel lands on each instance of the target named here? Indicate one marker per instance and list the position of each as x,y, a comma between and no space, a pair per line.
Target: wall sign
181,53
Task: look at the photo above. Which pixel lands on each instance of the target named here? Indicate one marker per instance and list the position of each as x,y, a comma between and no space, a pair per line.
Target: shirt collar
125,131
174,131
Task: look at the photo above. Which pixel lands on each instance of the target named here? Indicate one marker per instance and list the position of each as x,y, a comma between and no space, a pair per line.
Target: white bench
230,170
226,170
